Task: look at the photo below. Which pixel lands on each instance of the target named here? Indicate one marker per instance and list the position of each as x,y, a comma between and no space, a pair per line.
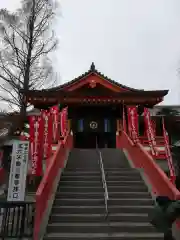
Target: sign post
18,171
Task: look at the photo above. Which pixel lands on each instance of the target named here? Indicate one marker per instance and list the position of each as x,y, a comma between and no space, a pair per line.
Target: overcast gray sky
135,42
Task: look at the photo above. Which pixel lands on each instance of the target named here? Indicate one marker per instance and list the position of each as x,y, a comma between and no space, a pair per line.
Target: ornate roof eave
144,94
52,101
151,101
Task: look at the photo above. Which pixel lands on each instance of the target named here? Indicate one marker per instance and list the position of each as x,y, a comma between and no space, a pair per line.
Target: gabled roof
94,71
94,79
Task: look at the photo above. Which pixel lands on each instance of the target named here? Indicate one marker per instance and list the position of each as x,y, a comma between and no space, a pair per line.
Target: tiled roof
90,71
61,89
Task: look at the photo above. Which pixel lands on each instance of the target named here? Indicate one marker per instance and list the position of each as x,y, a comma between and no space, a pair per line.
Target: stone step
125,183
76,194
100,189
95,166
74,209
121,169
82,169
116,166
122,173
85,171
123,177
80,189
79,173
99,183
99,177
133,227
81,183
118,217
81,178
86,161
108,174
100,201
104,236
115,173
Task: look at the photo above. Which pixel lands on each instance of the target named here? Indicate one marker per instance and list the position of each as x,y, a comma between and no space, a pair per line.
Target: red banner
59,123
63,121
36,143
55,113
124,120
150,132
47,134
133,123
50,132
168,154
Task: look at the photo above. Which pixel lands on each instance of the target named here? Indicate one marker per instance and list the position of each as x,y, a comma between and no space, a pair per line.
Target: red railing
45,188
159,143
159,140
142,159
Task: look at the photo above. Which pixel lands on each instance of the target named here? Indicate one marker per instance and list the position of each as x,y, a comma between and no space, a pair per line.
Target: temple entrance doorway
91,140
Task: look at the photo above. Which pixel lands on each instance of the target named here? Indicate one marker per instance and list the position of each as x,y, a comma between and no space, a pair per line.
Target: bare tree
27,38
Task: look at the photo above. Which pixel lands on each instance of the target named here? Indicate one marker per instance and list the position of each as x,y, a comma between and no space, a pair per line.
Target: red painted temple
95,107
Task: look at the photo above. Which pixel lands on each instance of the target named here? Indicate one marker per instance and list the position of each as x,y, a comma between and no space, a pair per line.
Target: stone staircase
79,208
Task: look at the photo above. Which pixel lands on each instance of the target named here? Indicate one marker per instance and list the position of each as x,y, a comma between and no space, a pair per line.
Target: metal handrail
106,195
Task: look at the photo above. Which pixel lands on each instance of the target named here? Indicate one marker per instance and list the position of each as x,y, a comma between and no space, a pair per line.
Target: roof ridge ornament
93,68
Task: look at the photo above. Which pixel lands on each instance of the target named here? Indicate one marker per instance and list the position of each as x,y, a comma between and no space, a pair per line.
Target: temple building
95,107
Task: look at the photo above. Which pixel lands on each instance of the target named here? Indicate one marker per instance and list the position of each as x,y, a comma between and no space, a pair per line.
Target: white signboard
18,172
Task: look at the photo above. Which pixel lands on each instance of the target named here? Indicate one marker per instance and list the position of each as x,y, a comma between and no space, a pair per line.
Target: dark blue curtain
81,125
107,125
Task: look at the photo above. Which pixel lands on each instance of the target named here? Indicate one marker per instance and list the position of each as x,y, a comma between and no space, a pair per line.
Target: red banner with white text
59,124
55,114
36,144
133,123
150,132
47,117
168,154
63,121
124,120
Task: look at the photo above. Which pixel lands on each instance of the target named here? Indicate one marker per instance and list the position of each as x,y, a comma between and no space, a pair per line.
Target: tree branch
27,41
